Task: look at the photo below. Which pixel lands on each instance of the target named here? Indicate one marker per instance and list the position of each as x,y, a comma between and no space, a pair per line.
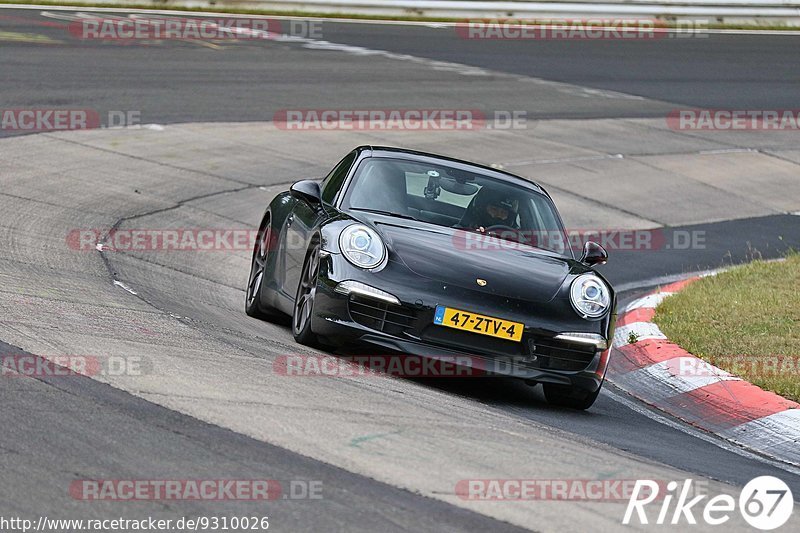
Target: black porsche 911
420,254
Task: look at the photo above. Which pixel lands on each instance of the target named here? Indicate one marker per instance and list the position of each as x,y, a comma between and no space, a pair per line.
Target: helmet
496,207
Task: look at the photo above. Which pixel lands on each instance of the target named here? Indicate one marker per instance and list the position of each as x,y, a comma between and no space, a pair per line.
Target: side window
332,183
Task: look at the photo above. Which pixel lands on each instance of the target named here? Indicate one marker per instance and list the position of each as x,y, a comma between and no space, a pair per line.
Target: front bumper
408,328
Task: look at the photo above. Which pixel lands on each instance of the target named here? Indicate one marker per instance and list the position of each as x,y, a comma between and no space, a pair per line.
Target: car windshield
454,197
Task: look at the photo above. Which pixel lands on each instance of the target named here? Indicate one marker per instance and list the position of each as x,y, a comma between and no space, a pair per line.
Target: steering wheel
507,233
499,227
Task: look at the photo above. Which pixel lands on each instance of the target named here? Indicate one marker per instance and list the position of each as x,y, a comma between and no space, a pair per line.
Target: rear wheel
304,301
566,396
252,304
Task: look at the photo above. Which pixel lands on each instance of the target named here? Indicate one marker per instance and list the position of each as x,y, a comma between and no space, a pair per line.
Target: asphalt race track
388,452
245,81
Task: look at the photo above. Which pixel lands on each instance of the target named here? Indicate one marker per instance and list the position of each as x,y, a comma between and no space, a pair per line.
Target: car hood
455,257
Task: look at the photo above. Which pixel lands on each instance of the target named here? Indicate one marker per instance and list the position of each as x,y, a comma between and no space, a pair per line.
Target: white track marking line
642,330
650,301
563,160
728,151
125,287
670,373
778,430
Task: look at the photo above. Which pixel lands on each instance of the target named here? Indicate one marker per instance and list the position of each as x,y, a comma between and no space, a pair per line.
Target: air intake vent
388,318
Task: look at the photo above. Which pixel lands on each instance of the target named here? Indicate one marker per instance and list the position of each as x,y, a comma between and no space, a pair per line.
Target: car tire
253,305
304,299
566,396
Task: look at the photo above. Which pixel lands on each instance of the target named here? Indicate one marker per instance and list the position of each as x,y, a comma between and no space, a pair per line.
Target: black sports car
421,254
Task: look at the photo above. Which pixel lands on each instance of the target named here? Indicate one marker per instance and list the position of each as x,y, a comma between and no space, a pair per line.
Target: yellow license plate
485,325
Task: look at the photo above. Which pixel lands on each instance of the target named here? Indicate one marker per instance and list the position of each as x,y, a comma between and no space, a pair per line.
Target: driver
493,208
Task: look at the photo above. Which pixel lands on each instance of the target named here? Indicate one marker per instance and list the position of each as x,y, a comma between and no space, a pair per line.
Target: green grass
165,4
745,320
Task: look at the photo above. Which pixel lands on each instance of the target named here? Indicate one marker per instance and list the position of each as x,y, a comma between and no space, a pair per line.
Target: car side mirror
594,254
307,191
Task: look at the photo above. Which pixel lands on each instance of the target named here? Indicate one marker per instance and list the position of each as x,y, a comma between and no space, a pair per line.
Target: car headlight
590,297
362,246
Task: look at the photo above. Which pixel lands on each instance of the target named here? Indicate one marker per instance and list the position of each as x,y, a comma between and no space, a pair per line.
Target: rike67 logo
766,503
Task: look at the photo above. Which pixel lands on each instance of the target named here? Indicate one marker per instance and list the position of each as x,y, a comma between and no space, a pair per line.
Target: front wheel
304,301
252,302
566,396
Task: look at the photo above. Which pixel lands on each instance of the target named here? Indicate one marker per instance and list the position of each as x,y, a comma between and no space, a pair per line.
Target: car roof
426,157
